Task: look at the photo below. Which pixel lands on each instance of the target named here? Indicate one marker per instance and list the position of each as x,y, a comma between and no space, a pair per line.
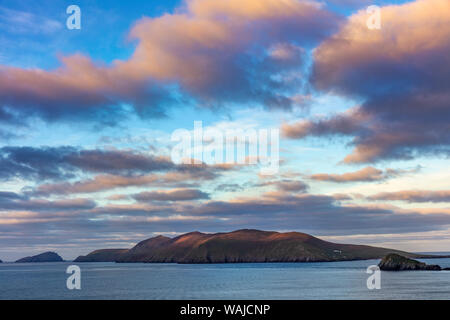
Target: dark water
331,280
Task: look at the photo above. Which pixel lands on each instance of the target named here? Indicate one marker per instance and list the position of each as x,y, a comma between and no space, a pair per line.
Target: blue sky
86,118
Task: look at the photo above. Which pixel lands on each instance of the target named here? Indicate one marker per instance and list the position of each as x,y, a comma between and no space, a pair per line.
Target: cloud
366,174
171,195
213,52
32,163
401,73
229,187
71,170
287,185
65,162
117,161
414,196
342,196
79,89
12,201
7,195
96,184
118,197
103,182
226,67
348,122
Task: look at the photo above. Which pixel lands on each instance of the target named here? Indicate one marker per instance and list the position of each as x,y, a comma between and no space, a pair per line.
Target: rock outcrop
43,257
395,262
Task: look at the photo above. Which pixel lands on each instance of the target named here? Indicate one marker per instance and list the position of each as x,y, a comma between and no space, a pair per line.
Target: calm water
331,280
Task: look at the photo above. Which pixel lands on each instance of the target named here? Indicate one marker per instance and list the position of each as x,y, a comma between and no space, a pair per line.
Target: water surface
322,280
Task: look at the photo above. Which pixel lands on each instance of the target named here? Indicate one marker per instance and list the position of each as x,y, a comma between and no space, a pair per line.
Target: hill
43,257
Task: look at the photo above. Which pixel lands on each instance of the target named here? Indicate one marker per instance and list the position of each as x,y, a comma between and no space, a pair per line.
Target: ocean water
329,280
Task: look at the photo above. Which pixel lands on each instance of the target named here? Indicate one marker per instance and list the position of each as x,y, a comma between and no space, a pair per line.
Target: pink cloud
214,51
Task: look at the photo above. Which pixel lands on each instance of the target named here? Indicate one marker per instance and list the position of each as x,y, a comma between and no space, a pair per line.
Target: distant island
43,257
241,246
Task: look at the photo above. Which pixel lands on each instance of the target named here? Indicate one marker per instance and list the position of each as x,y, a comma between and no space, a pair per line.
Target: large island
240,246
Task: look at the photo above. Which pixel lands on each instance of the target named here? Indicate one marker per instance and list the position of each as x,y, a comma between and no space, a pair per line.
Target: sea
259,281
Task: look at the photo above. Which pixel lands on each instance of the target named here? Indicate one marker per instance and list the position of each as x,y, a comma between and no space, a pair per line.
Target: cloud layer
57,163
366,174
414,196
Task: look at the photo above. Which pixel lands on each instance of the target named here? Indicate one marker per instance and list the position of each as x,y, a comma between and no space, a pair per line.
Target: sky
88,115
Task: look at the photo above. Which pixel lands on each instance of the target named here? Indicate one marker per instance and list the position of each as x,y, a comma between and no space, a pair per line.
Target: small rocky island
396,262
43,257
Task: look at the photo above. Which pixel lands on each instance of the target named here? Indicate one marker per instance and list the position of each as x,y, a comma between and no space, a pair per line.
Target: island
241,246
395,262
43,257
1,261
102,255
